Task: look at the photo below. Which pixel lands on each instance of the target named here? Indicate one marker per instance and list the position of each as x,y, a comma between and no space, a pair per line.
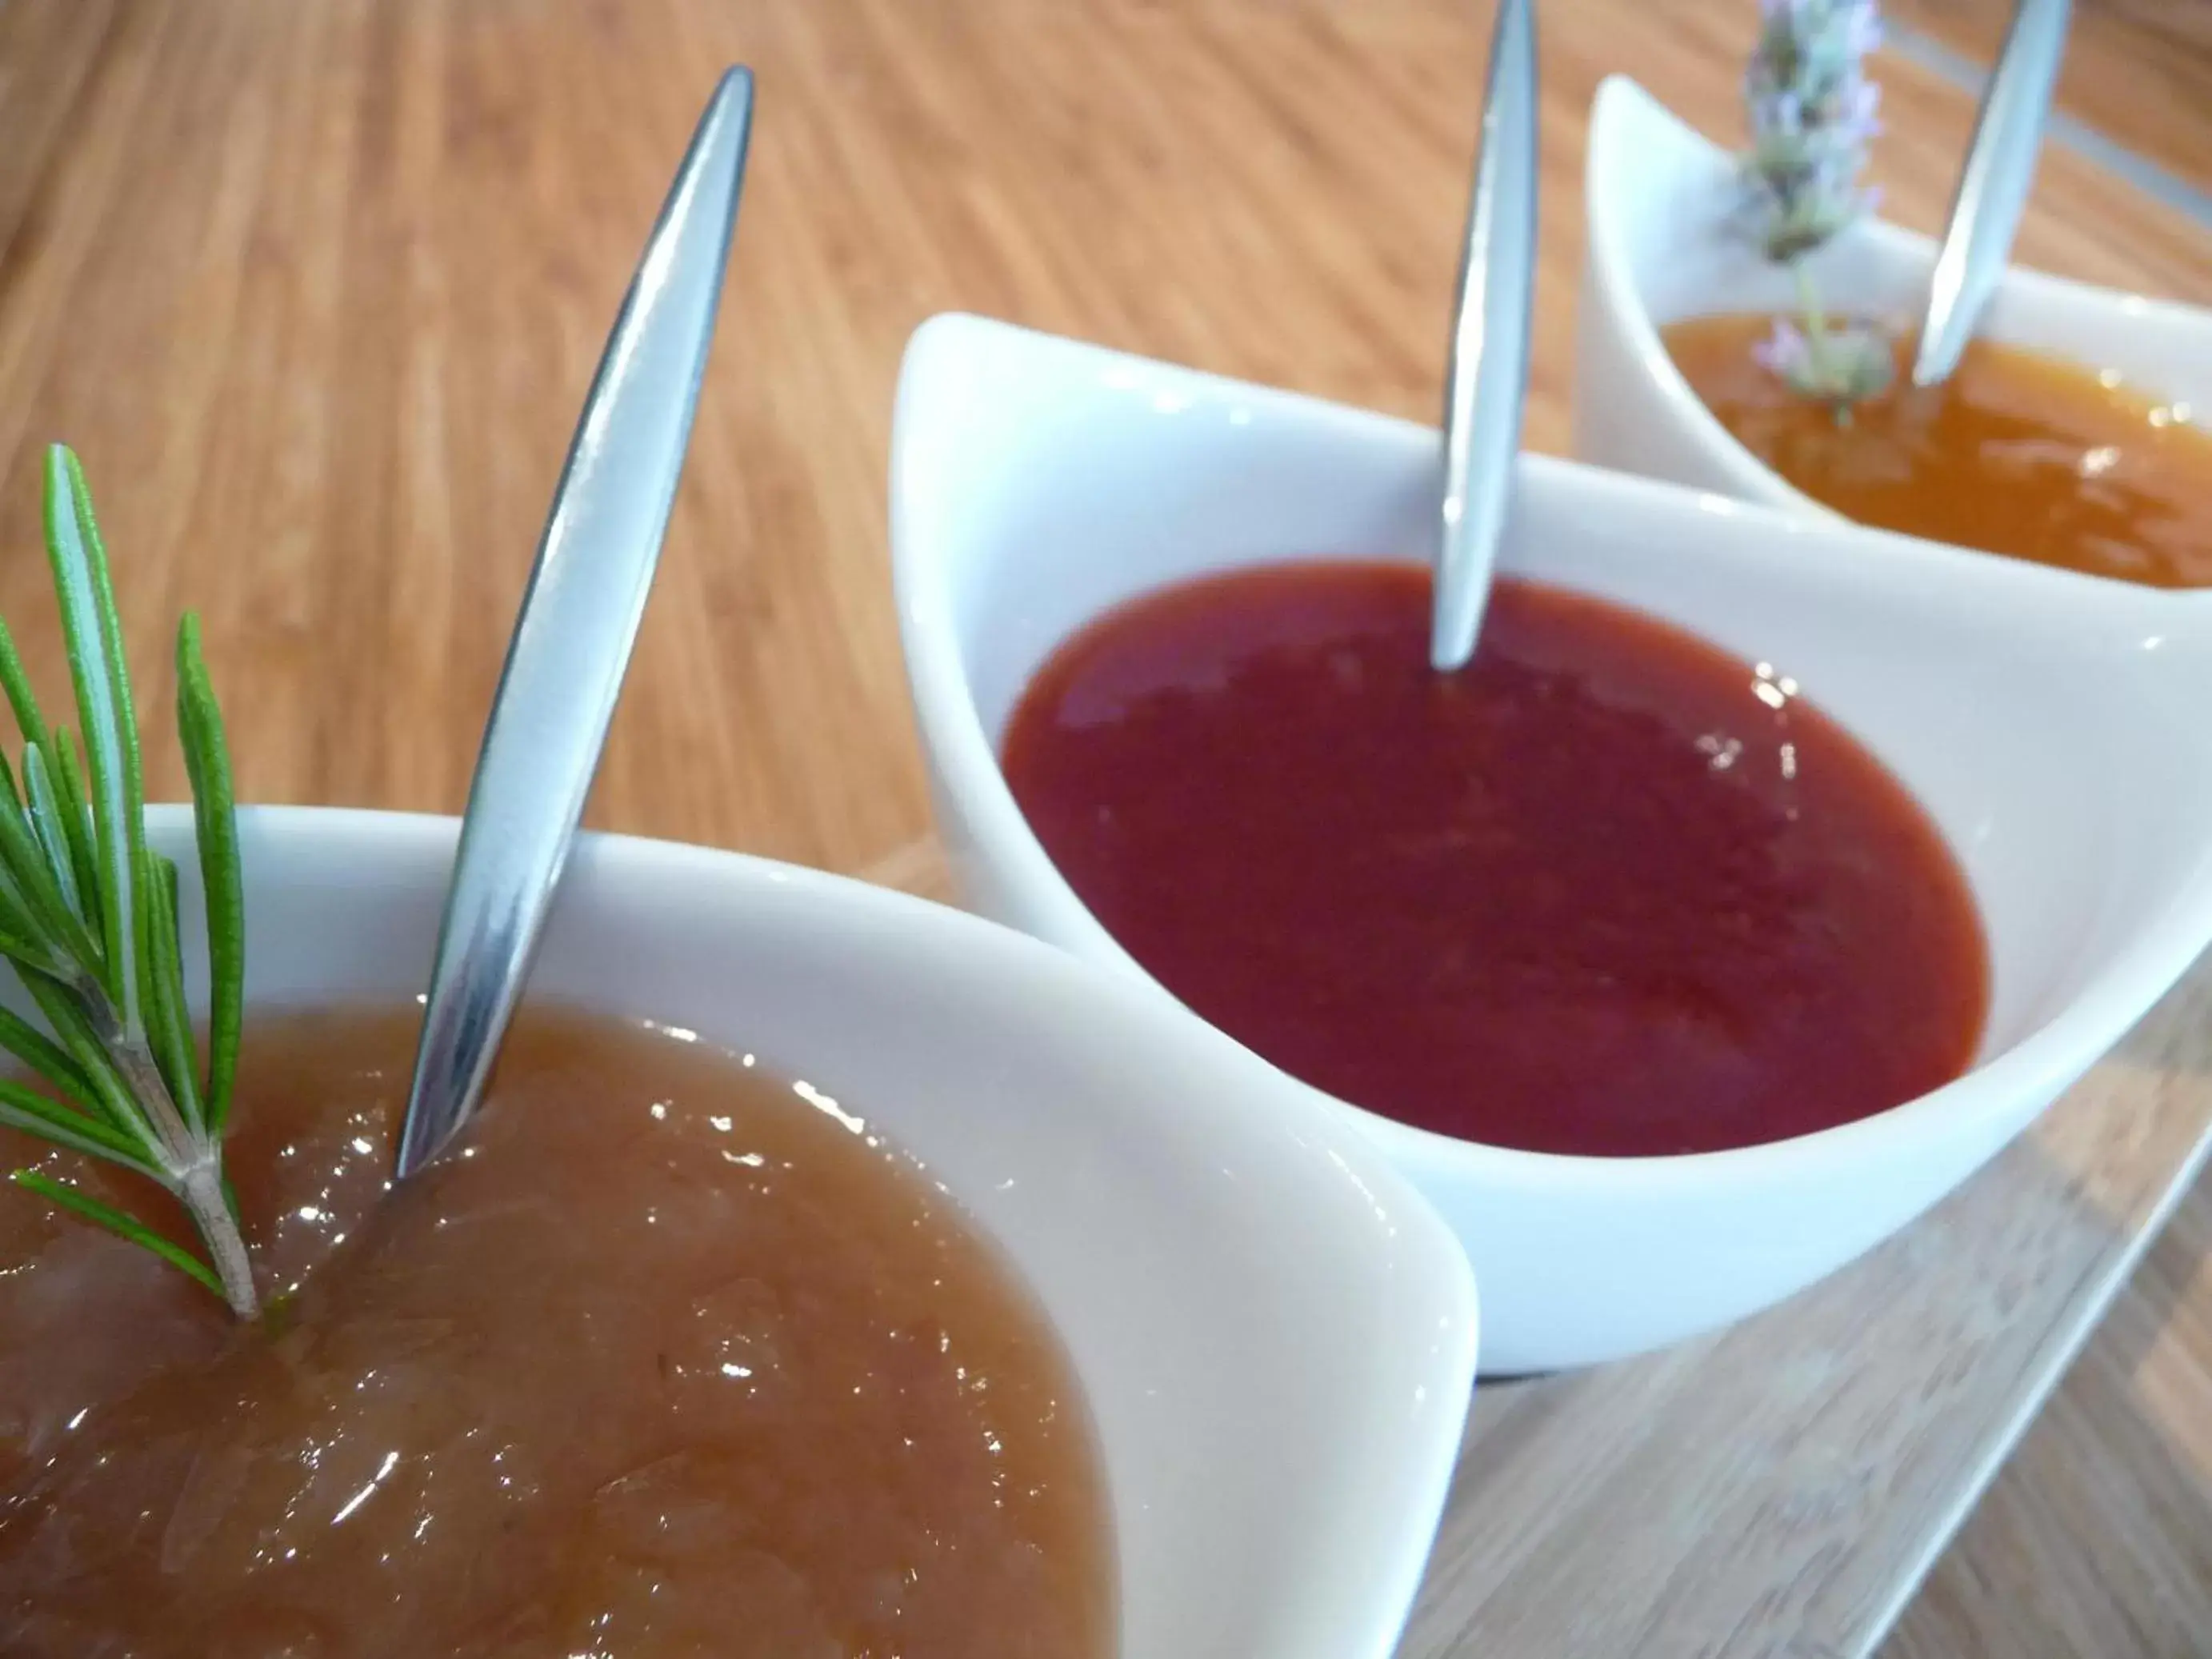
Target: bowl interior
2045,720
1275,1336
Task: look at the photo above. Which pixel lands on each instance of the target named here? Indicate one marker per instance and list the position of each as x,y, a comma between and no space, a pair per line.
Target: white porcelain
1665,243
1275,1333
2052,724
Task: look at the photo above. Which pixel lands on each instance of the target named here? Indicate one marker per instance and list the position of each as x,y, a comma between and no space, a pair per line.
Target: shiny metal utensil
1994,185
1489,371
572,638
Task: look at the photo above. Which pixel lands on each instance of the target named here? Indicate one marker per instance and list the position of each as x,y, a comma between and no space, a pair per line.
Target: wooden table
316,289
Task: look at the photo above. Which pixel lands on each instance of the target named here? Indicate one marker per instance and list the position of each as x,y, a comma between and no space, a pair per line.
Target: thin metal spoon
1489,371
572,638
1994,185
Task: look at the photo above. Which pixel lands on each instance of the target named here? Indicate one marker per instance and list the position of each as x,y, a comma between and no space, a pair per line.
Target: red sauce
1607,892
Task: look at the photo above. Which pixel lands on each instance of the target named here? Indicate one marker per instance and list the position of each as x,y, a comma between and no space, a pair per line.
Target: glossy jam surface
673,1362
1606,891
2016,453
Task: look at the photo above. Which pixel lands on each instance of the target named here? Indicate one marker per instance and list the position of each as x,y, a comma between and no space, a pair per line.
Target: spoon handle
1993,187
1489,371
573,636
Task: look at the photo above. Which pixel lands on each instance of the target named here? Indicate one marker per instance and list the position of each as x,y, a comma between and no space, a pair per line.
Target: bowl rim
2037,1066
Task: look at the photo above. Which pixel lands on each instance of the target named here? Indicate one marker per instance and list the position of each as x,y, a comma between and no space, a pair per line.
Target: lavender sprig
1813,114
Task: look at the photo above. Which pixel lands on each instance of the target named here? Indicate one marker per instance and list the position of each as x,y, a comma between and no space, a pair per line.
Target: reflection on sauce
2016,452
671,1361
1606,891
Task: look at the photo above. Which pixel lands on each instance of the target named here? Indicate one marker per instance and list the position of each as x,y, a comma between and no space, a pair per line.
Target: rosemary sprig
89,920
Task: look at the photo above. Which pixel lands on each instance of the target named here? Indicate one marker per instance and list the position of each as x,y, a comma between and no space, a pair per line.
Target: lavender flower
1813,113
1838,365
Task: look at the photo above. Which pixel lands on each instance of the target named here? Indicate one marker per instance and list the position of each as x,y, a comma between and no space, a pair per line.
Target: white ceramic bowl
1665,244
1275,1333
2053,725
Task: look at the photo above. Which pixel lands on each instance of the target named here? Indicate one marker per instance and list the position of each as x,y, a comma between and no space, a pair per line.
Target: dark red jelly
1606,891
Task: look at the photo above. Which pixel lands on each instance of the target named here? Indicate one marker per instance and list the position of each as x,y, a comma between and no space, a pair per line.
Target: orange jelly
2016,453
664,1363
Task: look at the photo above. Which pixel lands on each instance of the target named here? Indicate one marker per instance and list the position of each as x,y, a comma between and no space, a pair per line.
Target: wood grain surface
2137,71
316,287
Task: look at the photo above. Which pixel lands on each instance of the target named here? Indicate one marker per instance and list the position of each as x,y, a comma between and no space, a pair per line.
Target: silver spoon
573,636
1489,371
1994,185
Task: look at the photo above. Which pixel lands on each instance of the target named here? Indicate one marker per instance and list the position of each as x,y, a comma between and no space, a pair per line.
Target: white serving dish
2053,725
1275,1333
1665,244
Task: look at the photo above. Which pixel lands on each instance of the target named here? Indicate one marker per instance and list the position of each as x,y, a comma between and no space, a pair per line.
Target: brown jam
2016,453
670,1359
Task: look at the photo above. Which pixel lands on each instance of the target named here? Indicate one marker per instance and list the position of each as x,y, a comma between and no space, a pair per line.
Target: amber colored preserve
672,1360
2017,452
1606,891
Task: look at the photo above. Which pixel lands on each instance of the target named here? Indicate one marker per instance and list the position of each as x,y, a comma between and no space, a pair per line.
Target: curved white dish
1663,247
1275,1333
2052,724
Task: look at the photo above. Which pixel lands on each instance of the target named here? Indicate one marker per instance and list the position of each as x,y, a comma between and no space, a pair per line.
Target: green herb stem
1816,324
